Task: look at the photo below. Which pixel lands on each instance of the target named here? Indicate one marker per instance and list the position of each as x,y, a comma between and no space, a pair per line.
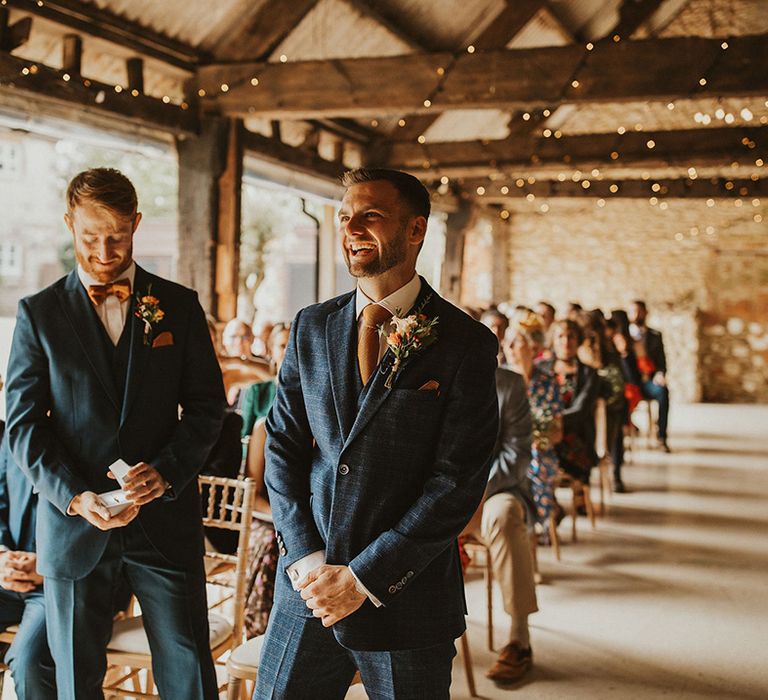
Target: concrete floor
668,596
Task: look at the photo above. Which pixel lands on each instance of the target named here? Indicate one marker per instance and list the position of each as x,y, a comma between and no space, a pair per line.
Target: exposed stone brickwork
702,270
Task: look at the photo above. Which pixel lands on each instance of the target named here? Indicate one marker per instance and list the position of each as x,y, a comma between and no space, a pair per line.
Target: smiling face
103,240
378,235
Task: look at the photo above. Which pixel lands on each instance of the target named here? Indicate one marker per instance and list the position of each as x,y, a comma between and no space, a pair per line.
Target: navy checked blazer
382,479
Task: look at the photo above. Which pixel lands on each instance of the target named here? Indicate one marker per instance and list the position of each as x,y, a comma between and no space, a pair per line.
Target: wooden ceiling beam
34,78
302,159
700,188
256,35
633,13
507,24
93,21
654,69
723,145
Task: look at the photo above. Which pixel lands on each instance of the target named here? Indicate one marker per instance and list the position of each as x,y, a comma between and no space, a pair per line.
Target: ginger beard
370,259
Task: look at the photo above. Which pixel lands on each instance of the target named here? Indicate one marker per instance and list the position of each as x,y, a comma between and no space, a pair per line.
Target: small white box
119,469
116,501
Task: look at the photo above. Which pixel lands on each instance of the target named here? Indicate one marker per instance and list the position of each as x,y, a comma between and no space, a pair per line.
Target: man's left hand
143,483
330,593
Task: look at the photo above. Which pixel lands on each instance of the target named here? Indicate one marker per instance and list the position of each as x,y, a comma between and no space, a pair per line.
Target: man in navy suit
378,453
652,362
101,363
21,586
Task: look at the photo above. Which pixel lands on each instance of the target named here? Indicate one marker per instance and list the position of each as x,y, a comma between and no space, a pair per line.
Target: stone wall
702,268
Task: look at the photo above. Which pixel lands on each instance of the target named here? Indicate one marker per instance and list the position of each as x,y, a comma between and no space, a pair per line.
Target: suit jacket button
404,580
283,551
392,589
409,574
399,585
343,470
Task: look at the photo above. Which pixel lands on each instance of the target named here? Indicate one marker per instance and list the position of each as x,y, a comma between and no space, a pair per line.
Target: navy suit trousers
175,613
302,660
28,657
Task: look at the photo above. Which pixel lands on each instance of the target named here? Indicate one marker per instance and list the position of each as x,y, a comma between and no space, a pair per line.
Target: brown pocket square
165,338
431,385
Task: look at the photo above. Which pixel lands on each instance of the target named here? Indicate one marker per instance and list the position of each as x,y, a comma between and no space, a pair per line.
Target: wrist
74,505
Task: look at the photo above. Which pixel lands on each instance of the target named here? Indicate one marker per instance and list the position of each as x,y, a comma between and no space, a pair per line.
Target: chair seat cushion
129,637
248,654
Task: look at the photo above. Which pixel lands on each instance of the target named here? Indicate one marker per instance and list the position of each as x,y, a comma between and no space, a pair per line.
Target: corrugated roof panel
337,29
196,22
544,29
468,125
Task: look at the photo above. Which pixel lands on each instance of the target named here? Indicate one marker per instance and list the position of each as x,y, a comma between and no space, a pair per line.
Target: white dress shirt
111,312
399,303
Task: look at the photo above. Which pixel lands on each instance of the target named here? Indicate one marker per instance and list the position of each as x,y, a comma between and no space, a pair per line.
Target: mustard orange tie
99,292
368,339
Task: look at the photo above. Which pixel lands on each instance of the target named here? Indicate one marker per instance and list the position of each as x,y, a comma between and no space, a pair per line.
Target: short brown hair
105,186
410,189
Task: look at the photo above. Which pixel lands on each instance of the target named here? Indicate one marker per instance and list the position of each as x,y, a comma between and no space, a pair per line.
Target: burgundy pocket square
165,338
431,385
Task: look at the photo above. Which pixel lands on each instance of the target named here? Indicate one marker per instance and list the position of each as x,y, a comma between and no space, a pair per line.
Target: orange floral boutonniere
408,335
148,311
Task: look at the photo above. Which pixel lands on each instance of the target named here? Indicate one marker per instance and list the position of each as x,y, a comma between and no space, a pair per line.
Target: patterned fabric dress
546,407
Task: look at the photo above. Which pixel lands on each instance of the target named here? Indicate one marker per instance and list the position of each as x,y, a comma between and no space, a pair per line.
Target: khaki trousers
503,529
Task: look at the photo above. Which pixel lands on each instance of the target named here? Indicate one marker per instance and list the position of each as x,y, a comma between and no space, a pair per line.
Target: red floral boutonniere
148,311
408,335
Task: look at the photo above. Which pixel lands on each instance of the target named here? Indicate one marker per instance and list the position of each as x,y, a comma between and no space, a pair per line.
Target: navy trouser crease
175,616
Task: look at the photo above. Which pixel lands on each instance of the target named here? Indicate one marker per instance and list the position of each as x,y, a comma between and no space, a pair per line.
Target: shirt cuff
362,589
299,569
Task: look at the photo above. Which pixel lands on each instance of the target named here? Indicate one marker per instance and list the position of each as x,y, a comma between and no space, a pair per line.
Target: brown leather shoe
511,665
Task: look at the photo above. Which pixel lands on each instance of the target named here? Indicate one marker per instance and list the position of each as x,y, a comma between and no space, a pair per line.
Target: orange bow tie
99,292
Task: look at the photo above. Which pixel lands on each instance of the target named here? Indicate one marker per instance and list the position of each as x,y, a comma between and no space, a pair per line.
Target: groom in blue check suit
378,453
101,363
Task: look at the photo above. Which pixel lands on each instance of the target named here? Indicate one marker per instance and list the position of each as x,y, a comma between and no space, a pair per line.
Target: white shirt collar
402,299
87,280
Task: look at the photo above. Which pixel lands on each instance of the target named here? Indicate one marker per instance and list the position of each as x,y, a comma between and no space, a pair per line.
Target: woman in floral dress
546,411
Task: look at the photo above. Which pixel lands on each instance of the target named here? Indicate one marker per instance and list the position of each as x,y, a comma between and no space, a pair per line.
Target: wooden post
72,54
326,260
135,68
201,162
455,231
229,217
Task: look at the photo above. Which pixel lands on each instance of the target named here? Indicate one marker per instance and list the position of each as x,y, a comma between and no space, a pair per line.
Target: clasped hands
330,593
18,571
143,484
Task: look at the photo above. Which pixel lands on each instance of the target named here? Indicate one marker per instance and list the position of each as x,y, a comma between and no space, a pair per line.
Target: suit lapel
341,351
85,324
139,351
376,392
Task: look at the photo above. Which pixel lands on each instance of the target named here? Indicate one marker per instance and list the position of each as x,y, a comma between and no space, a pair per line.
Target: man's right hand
89,506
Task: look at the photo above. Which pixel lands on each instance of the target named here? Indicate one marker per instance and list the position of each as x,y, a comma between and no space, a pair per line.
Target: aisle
669,596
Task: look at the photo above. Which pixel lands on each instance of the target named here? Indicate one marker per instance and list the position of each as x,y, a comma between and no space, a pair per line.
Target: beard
391,254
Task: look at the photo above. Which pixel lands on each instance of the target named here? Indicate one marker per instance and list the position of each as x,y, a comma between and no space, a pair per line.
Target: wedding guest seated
21,588
261,333
239,366
256,400
618,329
501,518
599,352
546,312
578,386
573,311
498,323
546,413
652,362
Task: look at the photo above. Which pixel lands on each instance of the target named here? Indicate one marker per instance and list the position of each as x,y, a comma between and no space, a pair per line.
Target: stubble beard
390,255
